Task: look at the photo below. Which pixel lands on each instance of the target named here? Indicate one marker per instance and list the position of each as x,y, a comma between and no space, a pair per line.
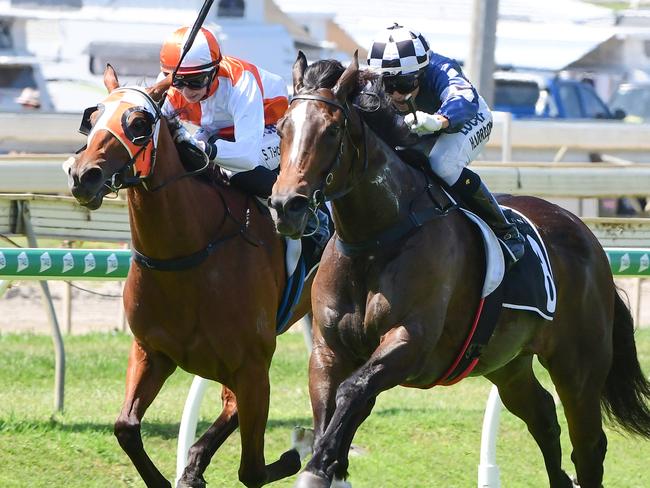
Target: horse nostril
92,177
296,205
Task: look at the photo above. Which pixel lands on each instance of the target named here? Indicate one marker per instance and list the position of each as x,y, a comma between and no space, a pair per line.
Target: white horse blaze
299,117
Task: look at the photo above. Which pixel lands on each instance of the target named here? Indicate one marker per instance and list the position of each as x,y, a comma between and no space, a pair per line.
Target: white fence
527,140
43,174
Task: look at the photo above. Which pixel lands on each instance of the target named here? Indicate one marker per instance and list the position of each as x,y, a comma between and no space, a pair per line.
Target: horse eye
333,130
139,124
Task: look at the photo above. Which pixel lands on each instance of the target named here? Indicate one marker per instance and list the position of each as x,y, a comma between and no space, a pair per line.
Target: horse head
123,132
325,133
321,138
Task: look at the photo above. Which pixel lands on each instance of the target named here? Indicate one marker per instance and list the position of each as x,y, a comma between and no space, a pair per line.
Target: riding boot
483,203
258,181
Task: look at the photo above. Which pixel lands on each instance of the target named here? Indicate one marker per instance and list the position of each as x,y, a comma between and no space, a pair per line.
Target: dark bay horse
203,291
398,314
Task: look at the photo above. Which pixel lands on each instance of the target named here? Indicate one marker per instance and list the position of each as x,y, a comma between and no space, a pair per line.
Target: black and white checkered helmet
398,50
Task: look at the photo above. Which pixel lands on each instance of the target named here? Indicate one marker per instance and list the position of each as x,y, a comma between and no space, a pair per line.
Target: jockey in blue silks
436,97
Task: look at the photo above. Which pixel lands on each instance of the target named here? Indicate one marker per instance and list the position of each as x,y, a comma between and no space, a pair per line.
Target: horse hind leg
522,395
583,413
146,373
201,452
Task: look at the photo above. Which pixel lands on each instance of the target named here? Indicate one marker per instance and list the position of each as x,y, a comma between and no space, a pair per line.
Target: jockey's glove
182,136
423,123
209,148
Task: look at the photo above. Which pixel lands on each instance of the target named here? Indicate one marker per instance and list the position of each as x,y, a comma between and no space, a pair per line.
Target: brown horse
203,291
399,313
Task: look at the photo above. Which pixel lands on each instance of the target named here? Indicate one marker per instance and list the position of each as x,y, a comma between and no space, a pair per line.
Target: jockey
437,97
236,106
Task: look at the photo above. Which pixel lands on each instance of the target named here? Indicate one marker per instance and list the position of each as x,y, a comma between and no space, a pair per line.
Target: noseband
319,196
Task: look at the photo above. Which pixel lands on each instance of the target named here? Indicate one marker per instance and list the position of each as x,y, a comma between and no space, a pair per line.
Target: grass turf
413,438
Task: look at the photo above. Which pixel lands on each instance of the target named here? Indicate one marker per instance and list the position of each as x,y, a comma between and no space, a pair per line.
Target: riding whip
198,23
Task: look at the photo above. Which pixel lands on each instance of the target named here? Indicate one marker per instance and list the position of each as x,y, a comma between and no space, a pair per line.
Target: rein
128,176
397,231
402,228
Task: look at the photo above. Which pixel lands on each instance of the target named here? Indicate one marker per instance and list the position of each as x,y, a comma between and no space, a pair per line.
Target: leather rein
402,228
127,177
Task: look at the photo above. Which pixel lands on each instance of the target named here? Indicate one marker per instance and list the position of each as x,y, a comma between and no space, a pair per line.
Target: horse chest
358,324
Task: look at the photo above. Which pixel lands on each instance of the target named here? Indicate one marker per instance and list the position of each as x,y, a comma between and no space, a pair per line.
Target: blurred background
53,52
569,82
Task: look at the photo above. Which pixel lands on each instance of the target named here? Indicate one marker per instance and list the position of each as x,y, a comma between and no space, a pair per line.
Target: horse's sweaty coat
400,313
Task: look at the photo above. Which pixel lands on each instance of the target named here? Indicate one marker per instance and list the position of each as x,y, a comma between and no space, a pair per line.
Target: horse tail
627,391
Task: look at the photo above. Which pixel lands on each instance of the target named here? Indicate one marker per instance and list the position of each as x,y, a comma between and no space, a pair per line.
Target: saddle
528,285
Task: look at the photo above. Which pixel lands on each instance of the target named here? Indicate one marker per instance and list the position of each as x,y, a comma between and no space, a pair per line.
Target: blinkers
130,131
86,124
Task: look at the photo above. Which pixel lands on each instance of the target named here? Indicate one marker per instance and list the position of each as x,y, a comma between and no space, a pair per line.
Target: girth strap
394,233
182,263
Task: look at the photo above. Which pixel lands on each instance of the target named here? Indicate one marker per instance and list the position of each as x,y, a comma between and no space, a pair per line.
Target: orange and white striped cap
204,54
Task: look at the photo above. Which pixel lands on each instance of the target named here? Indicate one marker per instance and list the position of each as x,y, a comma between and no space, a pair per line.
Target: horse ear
348,80
110,78
299,68
159,89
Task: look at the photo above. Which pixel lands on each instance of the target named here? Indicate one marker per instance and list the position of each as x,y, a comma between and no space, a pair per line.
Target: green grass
413,438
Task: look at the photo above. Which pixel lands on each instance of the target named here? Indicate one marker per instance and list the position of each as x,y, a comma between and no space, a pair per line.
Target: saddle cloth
528,284
299,269
297,274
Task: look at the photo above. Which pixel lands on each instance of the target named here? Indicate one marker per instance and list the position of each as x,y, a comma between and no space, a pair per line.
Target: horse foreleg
389,365
146,373
326,372
252,391
524,397
201,452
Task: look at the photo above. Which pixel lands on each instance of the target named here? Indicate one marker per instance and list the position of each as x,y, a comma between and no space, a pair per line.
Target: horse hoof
302,440
337,483
191,482
310,480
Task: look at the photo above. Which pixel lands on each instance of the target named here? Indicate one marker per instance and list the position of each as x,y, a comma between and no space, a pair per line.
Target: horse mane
369,98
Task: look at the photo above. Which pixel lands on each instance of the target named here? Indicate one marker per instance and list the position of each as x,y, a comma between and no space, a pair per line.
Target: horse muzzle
290,212
87,185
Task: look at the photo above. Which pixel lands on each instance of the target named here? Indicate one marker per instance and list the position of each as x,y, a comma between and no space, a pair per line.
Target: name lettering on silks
479,118
482,134
271,152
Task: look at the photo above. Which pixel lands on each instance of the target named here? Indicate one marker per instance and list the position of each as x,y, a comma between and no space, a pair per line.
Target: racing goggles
402,83
192,81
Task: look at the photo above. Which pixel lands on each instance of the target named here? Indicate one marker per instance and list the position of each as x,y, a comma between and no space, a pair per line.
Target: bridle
394,233
129,175
319,196
138,146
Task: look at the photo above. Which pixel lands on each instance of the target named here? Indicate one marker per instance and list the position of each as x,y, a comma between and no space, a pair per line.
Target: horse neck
177,219
380,198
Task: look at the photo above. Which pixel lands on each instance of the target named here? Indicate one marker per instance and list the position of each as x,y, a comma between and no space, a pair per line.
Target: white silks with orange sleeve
241,102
